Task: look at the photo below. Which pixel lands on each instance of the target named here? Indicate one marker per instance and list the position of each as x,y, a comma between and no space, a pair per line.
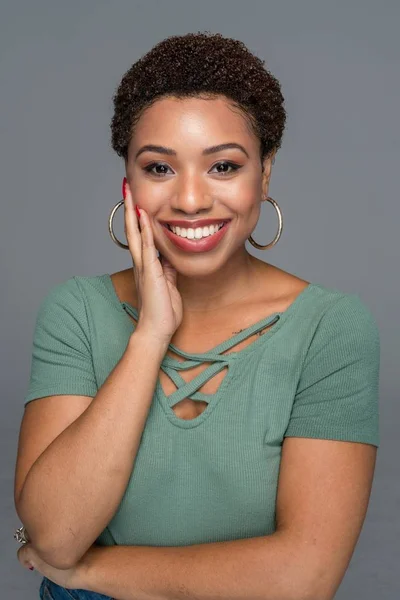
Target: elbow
319,596
306,594
307,575
65,553
55,555
316,587
52,547
322,594
310,593
313,589
309,580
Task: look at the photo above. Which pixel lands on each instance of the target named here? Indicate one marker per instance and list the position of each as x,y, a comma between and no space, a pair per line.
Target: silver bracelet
21,535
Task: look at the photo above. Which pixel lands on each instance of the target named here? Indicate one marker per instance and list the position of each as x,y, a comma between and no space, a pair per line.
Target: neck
222,289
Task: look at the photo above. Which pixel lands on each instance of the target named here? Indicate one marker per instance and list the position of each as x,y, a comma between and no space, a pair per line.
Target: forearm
74,488
261,568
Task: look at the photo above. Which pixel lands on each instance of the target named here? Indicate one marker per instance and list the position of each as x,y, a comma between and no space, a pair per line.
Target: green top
314,373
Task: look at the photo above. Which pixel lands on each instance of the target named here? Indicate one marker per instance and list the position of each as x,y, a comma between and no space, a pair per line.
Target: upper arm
323,493
62,379
42,422
329,451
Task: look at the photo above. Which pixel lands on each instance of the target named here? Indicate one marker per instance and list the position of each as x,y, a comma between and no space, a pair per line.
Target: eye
162,169
233,166
156,165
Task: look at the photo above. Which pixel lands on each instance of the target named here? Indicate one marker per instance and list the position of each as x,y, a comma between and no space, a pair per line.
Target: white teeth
198,233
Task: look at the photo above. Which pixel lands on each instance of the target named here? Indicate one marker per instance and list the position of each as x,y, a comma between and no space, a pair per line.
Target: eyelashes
233,166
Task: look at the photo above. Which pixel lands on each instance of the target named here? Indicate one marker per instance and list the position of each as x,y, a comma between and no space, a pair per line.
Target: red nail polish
123,188
31,568
137,211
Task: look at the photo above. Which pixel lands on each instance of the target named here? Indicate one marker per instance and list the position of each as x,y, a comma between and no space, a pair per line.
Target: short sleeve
61,360
337,393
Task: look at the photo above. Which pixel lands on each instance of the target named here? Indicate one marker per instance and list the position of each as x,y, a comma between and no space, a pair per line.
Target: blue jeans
51,591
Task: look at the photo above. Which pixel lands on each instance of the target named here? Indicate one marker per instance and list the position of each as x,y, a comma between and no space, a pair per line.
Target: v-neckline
280,318
230,342
215,356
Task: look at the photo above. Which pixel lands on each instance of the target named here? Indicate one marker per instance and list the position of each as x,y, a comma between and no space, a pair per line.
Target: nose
192,195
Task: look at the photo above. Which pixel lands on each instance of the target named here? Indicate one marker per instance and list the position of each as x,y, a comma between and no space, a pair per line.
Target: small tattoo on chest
258,332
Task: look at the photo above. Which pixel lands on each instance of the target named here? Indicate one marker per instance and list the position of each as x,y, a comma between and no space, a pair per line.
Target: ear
127,184
267,171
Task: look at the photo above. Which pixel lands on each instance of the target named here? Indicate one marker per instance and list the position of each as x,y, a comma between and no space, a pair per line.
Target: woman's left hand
73,578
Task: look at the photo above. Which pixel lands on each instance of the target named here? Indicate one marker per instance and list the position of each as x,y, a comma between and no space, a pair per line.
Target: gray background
335,178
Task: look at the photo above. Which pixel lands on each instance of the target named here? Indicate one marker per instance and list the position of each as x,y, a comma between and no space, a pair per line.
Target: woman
205,423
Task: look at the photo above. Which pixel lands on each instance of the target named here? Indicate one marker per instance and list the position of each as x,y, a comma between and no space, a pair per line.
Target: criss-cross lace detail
217,356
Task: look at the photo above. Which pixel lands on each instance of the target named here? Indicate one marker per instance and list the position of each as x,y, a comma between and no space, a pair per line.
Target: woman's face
185,177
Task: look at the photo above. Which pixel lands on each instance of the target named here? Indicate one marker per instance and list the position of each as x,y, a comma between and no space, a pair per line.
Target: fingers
132,230
149,252
140,236
169,271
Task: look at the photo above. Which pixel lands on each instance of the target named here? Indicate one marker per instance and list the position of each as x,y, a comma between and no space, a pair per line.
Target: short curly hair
200,64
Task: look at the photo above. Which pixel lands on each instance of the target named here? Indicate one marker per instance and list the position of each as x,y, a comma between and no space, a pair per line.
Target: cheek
149,196
245,202
245,193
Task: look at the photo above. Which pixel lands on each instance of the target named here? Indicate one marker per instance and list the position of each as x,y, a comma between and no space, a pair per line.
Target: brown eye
225,166
163,168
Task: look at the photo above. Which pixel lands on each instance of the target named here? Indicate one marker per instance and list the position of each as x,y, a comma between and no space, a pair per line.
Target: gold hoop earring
251,240
280,227
110,226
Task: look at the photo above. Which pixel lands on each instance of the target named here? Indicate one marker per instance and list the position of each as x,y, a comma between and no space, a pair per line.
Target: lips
193,224
197,245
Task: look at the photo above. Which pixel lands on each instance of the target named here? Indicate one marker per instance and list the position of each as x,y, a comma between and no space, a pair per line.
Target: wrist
149,341
87,571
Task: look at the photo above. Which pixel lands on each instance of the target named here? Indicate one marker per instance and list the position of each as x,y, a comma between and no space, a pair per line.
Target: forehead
192,118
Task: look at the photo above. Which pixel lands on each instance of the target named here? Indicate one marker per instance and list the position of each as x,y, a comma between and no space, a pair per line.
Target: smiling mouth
195,233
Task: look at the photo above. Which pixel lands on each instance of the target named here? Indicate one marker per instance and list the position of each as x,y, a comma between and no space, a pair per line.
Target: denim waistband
51,591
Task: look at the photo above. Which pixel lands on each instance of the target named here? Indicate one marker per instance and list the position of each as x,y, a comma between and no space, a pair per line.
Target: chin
197,265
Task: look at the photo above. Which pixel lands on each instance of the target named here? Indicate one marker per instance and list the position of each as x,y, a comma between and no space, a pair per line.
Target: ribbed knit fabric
314,373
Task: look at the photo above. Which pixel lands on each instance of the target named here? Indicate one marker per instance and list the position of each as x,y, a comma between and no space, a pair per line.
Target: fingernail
31,568
137,211
123,188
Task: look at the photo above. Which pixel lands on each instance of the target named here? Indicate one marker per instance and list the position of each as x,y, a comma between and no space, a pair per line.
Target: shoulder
343,329
337,393
323,309
64,293
344,311
329,324
77,287
72,297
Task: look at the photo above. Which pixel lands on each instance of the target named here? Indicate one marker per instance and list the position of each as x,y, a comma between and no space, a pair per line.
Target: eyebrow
206,151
